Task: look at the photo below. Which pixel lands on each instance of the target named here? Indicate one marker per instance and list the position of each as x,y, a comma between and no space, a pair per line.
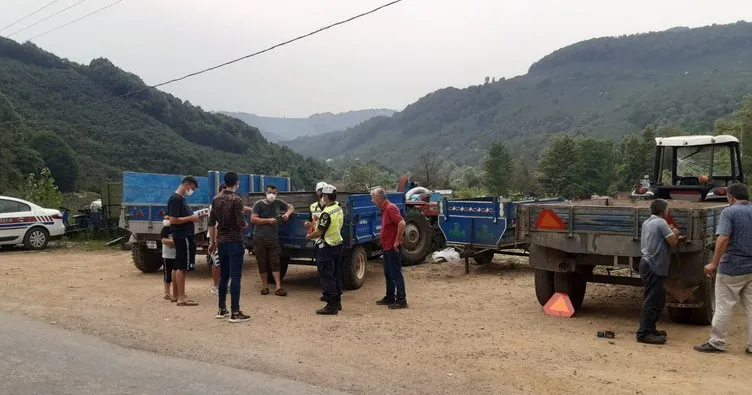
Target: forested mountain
604,87
278,129
46,119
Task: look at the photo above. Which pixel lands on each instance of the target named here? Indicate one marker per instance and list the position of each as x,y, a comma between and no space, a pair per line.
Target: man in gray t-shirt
732,259
265,216
657,238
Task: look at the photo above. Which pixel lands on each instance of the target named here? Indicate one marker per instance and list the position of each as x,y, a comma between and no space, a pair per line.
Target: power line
57,13
290,41
75,20
32,14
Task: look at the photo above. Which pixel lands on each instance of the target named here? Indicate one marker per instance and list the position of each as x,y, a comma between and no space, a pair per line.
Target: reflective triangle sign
559,306
547,219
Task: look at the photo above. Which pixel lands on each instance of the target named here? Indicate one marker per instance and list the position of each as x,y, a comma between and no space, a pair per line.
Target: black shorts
182,255
169,265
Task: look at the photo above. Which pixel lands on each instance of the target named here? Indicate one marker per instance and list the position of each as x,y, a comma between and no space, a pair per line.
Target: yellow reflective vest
333,222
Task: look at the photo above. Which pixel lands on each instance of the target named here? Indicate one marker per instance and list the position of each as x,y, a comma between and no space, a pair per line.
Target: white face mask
270,197
322,202
166,222
189,192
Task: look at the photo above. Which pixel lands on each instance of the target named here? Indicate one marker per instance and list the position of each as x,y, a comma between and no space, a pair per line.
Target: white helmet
320,185
327,189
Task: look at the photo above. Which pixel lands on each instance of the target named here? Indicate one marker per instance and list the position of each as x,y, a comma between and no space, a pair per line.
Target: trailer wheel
544,285
573,284
484,257
418,238
701,315
283,264
145,259
354,268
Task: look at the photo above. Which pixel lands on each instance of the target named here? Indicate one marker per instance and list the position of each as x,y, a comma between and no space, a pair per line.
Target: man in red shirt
392,232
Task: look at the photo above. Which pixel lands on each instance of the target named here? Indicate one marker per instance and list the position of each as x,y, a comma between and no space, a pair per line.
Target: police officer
328,236
316,207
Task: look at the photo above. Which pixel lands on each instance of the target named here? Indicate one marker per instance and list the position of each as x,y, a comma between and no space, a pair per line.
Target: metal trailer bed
566,241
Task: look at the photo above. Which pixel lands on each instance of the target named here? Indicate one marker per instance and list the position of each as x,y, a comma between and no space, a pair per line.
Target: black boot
338,304
329,309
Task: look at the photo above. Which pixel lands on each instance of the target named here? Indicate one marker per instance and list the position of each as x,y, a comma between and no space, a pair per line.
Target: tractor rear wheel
418,238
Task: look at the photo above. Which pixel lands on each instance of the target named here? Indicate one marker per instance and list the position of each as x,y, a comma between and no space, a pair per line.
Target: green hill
152,131
605,87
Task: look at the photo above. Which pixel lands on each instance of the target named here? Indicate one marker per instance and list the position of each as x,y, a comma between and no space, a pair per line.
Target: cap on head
327,189
320,185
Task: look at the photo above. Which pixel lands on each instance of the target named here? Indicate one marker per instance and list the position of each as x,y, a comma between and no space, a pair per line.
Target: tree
557,161
634,160
42,190
364,176
487,80
429,171
58,157
498,169
739,124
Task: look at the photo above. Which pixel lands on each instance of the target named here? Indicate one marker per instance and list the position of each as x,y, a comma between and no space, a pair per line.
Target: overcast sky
386,60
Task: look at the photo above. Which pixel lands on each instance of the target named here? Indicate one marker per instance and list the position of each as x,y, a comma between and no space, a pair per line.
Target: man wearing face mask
182,221
266,215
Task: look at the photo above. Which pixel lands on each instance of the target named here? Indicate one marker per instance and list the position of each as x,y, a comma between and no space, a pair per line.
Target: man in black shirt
182,221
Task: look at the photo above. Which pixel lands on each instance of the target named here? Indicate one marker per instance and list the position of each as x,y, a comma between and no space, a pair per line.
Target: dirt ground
478,333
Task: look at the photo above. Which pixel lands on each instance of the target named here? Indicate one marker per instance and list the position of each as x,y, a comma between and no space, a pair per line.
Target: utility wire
32,14
45,19
75,20
342,22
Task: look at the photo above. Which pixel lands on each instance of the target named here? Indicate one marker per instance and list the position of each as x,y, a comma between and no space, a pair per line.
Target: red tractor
422,233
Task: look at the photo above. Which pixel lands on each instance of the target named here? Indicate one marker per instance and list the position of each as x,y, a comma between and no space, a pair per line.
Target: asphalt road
40,358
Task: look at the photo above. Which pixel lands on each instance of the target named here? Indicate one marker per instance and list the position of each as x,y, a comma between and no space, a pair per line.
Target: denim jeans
231,267
395,283
653,302
328,261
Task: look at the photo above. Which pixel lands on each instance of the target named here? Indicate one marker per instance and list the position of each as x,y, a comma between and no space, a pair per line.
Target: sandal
280,292
173,300
187,302
264,291
167,297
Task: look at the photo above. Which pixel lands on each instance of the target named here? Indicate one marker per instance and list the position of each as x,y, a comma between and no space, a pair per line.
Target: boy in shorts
168,256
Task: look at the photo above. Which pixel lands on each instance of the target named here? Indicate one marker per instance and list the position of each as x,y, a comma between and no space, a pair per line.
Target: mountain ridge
92,141
601,87
278,129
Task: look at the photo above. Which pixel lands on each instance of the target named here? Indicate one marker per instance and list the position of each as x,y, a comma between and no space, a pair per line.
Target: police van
23,222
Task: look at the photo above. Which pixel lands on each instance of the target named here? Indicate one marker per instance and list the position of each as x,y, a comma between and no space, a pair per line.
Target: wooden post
467,265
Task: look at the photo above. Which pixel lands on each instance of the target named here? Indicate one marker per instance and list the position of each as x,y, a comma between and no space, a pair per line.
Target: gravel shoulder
478,333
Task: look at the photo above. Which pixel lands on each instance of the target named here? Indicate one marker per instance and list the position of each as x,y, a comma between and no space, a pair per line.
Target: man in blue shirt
657,237
732,260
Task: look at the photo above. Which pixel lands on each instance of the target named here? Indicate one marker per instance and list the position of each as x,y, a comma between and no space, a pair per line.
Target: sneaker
239,317
385,301
652,339
214,290
709,348
223,313
329,309
400,304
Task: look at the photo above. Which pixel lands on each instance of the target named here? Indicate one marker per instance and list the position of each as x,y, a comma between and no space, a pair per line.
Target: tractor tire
573,284
354,268
36,238
418,238
146,260
700,315
484,258
544,285
283,264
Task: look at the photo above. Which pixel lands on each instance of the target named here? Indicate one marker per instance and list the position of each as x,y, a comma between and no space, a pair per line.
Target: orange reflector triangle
547,219
559,306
